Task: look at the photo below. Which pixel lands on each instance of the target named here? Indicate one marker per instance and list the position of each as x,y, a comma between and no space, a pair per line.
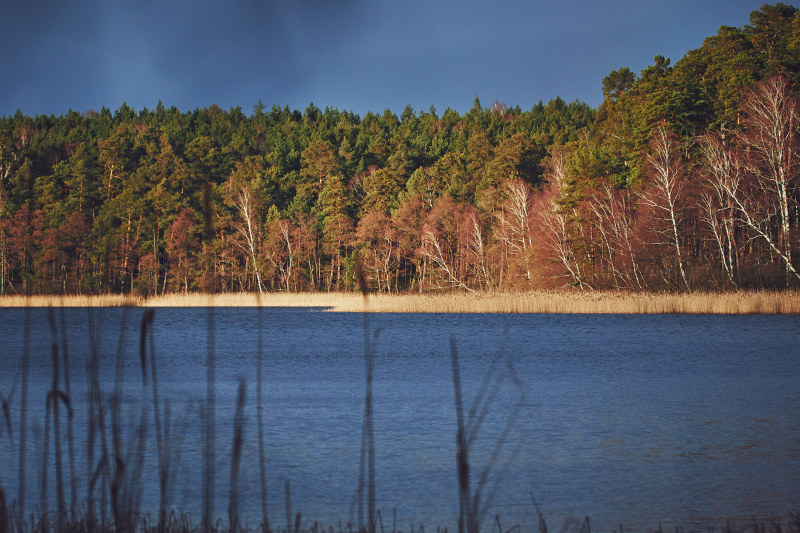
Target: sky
352,55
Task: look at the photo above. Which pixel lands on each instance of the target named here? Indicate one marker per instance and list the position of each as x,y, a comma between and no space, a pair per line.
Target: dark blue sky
359,55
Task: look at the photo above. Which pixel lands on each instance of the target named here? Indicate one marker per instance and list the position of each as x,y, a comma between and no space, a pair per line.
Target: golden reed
599,302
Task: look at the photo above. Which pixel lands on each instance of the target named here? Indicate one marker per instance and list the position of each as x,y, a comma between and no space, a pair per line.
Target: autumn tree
379,251
440,245
183,244
280,250
18,241
409,221
62,252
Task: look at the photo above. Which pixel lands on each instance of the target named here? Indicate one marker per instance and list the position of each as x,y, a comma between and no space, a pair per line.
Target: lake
628,419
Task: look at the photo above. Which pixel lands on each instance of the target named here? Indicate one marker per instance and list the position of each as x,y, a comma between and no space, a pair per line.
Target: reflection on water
628,419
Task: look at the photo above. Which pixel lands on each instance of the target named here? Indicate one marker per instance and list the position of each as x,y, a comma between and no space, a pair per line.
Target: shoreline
557,302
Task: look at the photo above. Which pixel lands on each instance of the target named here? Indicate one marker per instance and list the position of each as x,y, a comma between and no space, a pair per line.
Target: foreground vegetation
685,178
604,302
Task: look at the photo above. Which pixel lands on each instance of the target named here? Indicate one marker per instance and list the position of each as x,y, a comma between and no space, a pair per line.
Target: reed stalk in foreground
54,398
466,519
262,469
210,423
366,475
473,503
23,424
128,452
118,478
73,479
236,458
163,454
99,473
287,491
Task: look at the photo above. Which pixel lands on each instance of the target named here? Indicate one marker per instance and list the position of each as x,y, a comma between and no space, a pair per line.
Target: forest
684,178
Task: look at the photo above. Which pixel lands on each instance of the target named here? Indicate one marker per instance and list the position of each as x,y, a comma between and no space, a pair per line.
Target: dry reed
599,302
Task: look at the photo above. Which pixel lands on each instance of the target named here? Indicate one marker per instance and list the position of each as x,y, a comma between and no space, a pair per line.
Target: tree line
685,177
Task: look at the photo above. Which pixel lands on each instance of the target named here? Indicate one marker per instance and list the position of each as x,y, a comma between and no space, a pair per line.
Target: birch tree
723,174
440,244
554,221
247,224
473,236
770,141
513,222
280,250
613,219
664,194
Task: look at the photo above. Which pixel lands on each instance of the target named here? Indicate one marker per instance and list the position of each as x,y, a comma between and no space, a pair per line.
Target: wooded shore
599,302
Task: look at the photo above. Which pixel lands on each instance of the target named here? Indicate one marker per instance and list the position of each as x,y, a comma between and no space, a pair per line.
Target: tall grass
599,302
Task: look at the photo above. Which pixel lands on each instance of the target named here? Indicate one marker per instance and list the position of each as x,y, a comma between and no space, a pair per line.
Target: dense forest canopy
685,177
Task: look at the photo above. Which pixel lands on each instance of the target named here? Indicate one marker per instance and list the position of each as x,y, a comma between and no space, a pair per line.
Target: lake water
628,419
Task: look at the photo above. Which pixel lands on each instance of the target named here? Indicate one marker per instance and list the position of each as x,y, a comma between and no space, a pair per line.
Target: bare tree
613,220
555,221
446,273
243,199
771,142
514,222
440,244
280,250
475,247
723,173
664,193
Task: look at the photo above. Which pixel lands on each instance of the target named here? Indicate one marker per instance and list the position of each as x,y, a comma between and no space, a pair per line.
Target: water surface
632,419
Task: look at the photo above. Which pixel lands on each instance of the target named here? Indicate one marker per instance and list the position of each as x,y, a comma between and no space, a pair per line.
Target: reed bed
73,300
566,302
593,303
